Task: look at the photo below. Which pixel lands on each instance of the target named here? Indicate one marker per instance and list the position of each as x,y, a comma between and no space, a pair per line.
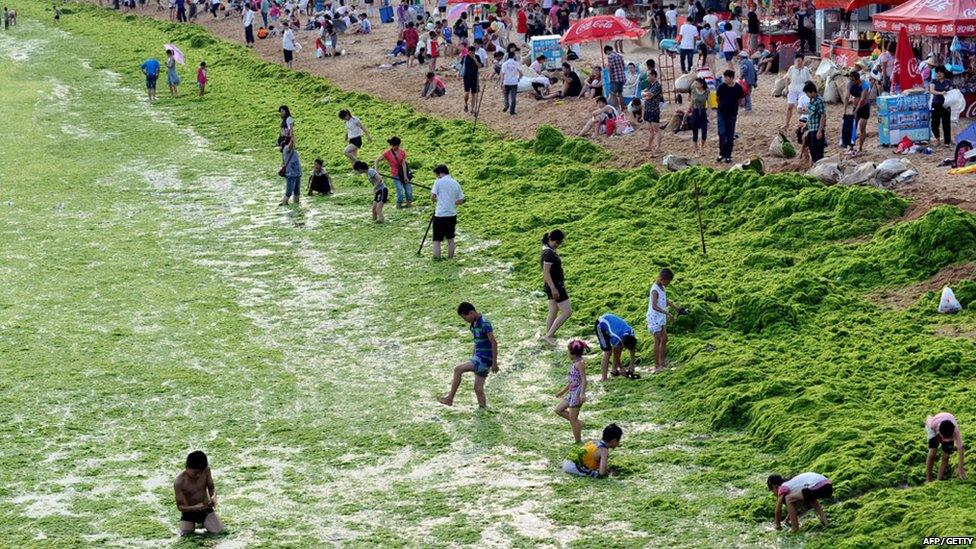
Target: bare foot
445,401
550,340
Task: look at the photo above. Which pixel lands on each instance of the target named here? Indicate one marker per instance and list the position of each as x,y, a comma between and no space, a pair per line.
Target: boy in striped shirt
484,358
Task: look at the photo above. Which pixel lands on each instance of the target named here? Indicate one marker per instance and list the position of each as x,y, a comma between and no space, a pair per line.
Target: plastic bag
779,85
949,305
830,94
780,147
955,102
892,168
683,82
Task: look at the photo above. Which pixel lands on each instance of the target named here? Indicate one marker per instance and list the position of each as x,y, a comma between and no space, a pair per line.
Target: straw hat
930,61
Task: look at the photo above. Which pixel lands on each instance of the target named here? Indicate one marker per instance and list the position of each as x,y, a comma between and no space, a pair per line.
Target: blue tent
969,134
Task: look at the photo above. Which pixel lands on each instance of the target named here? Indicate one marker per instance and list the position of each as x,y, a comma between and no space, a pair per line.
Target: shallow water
159,302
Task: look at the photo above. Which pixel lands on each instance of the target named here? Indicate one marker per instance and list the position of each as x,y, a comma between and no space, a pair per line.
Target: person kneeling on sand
484,358
806,488
196,496
593,458
433,86
942,430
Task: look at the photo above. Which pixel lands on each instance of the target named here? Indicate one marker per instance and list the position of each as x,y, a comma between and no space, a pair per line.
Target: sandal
632,375
615,373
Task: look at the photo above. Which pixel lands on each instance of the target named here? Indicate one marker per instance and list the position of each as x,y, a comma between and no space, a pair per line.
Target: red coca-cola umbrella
601,28
905,72
930,18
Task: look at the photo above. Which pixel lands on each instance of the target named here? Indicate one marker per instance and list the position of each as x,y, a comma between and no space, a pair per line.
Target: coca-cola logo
602,24
937,6
970,111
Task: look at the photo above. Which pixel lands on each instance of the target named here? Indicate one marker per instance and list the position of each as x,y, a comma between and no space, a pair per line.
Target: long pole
424,239
701,228
481,96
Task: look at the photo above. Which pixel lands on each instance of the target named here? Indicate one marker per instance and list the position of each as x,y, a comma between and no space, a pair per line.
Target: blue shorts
481,365
151,81
729,55
616,87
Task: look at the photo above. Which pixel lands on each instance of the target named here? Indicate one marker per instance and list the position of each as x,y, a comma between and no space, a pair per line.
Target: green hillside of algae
782,343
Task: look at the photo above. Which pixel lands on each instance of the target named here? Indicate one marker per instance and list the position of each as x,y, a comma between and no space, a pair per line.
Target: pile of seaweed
782,343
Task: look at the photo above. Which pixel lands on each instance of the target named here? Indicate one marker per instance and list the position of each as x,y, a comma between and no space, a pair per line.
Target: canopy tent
851,5
942,18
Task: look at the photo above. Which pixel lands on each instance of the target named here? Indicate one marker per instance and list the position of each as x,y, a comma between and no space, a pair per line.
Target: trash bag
780,147
826,70
826,172
948,304
675,163
756,165
955,102
860,175
683,82
779,86
830,94
892,168
843,85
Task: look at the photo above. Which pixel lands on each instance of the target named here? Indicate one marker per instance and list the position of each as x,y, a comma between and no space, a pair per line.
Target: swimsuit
575,380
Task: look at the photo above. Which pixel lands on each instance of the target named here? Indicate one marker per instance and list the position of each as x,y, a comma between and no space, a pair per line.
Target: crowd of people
490,51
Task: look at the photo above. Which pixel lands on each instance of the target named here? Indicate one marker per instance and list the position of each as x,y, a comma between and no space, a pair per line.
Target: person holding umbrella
172,79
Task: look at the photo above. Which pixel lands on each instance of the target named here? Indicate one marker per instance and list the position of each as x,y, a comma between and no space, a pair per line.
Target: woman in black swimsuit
554,285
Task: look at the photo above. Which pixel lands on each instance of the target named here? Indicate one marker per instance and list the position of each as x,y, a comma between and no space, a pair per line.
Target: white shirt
671,16
728,41
654,318
620,13
798,77
803,480
353,128
288,40
536,66
482,55
448,192
711,19
688,35
511,72
248,17
803,102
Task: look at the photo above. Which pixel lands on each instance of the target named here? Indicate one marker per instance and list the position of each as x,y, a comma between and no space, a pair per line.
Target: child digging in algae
943,431
575,389
380,192
806,488
593,458
196,496
614,334
485,355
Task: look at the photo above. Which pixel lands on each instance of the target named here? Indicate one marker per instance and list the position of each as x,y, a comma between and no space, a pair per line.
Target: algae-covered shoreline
784,343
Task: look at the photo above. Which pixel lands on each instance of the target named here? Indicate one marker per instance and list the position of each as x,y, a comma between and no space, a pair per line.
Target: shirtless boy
196,496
